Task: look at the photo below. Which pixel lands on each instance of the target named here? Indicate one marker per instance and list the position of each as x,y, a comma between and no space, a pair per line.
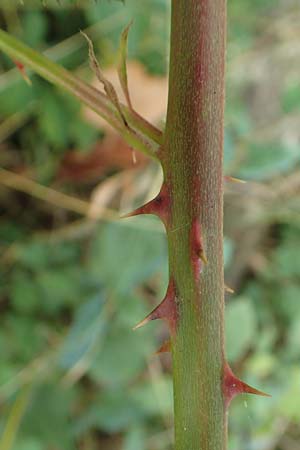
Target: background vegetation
75,279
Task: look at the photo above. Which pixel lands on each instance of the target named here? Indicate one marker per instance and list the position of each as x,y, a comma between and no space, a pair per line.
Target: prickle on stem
233,386
166,310
159,206
164,348
228,289
234,180
198,255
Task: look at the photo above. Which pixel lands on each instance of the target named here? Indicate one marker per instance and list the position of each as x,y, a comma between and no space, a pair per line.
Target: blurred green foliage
70,296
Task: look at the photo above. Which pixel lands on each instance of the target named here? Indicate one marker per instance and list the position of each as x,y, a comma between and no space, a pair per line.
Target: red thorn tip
21,69
164,348
159,206
233,386
228,289
166,310
234,180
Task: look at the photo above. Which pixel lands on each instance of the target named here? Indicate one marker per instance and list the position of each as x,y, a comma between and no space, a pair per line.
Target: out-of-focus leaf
228,148
286,259
35,27
291,97
286,300
135,439
240,327
54,119
33,255
143,254
228,250
28,444
48,416
115,411
58,288
37,255
261,364
15,97
155,398
23,337
88,327
24,294
83,134
263,162
289,403
122,357
292,348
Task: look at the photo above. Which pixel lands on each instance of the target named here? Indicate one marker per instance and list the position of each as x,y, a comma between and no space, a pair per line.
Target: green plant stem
192,162
96,100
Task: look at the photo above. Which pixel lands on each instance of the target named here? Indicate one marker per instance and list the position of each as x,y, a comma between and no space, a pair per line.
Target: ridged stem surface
192,162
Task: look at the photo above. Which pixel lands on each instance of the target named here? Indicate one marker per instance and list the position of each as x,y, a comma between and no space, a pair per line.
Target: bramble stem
192,163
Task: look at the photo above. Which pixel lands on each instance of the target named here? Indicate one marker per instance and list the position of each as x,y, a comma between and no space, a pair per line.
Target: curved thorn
142,323
164,348
247,389
228,289
233,386
234,180
155,314
202,256
166,310
197,251
158,206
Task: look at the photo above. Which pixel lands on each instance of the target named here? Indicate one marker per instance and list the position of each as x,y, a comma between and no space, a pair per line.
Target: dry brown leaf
148,94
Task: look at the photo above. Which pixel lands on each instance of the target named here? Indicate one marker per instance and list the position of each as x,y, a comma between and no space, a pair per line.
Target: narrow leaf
108,86
122,64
